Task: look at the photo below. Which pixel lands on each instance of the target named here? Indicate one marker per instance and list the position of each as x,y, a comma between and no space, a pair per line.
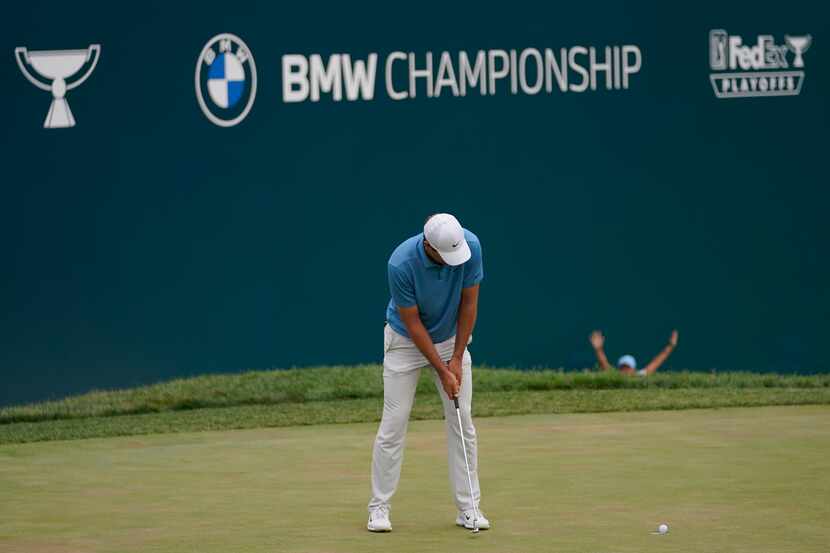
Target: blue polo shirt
414,279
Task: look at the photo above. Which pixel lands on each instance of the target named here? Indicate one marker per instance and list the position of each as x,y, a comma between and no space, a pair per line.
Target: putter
467,462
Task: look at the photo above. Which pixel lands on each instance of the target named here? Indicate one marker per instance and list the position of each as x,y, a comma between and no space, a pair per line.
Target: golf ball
663,528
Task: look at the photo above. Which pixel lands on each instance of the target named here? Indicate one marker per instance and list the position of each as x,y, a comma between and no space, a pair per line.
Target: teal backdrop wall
147,243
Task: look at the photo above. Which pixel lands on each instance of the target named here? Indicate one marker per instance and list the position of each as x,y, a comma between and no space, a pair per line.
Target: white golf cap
627,360
444,233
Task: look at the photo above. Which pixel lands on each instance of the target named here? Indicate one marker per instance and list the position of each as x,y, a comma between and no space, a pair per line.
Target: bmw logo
225,80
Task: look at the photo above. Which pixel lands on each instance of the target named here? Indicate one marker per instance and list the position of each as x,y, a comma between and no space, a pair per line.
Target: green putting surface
731,480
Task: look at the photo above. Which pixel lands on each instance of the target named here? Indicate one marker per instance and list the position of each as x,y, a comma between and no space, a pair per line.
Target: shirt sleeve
474,268
401,287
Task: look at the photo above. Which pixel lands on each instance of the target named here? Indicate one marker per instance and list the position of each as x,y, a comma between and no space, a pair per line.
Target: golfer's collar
425,259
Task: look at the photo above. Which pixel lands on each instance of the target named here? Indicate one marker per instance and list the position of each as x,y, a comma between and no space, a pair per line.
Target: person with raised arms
627,364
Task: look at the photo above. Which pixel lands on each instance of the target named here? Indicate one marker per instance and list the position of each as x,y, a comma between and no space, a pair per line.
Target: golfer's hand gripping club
450,383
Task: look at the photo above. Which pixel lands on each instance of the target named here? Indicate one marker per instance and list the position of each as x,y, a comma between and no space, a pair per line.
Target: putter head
475,526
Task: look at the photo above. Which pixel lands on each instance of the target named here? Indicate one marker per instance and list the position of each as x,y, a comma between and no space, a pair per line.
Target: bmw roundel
225,80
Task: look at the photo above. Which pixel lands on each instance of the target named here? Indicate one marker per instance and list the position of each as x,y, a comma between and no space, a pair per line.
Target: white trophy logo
57,66
798,45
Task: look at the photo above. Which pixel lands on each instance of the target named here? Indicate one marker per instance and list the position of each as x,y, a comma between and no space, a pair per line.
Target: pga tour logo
762,69
225,80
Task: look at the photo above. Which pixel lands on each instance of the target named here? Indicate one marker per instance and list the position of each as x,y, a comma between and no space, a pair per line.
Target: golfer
433,280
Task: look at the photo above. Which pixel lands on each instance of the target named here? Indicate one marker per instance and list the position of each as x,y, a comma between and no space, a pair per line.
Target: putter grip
455,400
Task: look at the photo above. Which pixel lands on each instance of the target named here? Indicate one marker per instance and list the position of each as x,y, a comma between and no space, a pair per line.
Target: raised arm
661,357
598,343
419,335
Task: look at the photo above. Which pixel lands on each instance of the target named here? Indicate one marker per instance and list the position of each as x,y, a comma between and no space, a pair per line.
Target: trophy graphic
798,45
57,66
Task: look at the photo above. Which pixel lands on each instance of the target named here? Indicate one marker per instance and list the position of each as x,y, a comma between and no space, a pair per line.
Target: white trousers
402,364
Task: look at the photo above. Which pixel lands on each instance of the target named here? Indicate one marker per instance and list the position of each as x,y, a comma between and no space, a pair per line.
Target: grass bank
352,394
281,387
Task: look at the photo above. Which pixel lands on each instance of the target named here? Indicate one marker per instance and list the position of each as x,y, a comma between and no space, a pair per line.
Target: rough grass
485,404
353,394
280,387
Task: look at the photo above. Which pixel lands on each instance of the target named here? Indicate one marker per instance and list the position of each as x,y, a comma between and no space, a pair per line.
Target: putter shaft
467,463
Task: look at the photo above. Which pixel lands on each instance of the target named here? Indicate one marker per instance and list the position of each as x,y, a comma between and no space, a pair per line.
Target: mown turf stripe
486,404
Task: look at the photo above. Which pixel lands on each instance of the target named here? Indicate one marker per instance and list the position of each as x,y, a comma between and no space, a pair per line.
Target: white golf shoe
465,519
379,520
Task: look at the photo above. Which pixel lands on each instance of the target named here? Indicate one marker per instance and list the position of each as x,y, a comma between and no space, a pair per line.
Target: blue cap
627,360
